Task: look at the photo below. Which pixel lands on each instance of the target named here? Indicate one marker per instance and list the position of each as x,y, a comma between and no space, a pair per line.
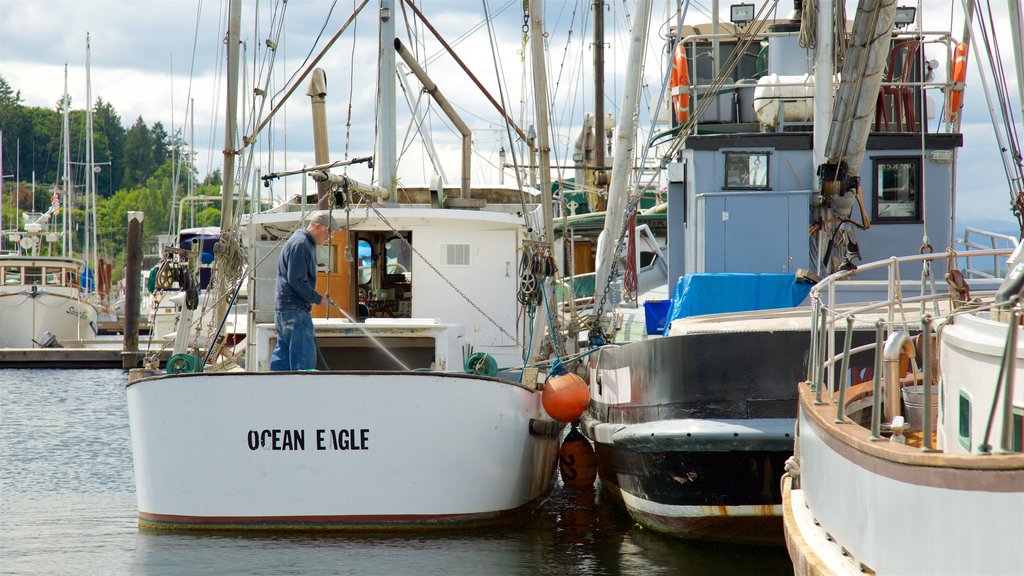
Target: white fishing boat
779,174
42,303
413,420
929,447
42,298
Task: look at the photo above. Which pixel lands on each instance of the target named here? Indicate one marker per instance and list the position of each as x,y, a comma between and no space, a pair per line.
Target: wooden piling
130,355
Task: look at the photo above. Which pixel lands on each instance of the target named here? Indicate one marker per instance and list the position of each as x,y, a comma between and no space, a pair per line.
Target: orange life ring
679,86
956,96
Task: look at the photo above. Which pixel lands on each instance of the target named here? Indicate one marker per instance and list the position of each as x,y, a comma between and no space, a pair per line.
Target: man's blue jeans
296,343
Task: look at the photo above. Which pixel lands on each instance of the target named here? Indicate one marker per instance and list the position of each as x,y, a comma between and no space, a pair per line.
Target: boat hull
26,315
336,450
698,494
692,441
901,510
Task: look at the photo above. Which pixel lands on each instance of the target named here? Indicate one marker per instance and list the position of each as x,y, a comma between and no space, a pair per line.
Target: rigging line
487,21
351,87
999,81
311,48
450,50
499,75
309,68
570,101
246,171
752,31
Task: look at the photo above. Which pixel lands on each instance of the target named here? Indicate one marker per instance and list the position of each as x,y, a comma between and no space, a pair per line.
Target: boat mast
600,175
230,126
386,144
90,174
625,136
66,222
540,94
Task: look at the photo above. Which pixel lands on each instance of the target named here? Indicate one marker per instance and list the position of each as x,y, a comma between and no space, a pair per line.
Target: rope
629,277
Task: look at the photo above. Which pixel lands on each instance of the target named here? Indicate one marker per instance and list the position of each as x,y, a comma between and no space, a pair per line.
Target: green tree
138,154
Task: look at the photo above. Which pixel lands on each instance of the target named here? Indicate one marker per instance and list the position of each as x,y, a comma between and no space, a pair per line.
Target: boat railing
977,239
892,327
701,45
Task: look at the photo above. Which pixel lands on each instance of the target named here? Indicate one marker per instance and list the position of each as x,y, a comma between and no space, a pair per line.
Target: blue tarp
734,292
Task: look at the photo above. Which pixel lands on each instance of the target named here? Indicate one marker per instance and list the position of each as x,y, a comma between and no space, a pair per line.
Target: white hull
25,316
351,450
887,504
898,510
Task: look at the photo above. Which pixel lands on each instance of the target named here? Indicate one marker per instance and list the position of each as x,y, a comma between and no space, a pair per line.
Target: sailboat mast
90,173
386,145
66,222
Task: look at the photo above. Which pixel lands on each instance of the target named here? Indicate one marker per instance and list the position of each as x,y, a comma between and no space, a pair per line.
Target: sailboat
693,425
414,419
43,302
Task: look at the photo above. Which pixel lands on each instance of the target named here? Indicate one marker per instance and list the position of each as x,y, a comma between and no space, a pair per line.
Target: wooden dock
71,358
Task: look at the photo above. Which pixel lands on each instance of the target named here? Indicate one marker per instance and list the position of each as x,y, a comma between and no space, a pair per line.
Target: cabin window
12,275
897,186
70,278
325,258
399,257
33,275
364,253
52,276
746,170
965,420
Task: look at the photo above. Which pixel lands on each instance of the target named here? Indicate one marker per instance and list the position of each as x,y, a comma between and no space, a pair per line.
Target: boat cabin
744,186
27,271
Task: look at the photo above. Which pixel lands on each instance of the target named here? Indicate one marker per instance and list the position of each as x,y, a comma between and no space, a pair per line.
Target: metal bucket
913,399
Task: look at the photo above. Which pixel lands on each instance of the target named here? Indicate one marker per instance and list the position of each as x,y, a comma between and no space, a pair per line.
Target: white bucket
913,398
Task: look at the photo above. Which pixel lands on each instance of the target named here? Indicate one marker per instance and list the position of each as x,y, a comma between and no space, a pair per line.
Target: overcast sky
150,58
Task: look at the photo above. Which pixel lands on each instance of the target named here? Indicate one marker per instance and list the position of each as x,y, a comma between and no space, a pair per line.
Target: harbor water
67,506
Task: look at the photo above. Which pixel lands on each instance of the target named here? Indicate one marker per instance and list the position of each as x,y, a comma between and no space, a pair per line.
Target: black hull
697,444
721,496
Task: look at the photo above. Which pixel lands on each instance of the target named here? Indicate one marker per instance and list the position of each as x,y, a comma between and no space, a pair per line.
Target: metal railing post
1006,439
876,396
822,355
847,342
926,358
812,355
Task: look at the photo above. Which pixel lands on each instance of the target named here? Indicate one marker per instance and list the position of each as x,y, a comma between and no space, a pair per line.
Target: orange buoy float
565,396
577,461
959,74
679,85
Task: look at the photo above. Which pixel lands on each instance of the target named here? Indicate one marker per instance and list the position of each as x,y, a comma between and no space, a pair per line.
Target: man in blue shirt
296,293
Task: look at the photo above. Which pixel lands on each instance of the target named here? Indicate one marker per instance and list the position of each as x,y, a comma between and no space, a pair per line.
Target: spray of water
372,338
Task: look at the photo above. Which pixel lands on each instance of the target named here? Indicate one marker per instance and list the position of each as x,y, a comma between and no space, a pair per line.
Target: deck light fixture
741,14
905,16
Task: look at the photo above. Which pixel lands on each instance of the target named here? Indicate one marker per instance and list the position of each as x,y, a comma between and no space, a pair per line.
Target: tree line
136,169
